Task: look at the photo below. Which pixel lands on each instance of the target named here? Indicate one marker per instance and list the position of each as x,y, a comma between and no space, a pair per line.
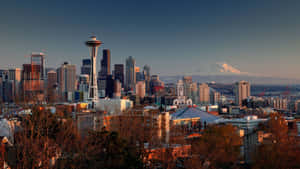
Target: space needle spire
93,44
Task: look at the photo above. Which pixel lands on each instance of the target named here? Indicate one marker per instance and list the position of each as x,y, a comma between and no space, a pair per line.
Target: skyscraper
147,77
104,72
215,97
119,73
1,89
187,80
3,78
156,85
51,86
204,94
66,75
105,63
109,90
242,91
194,91
38,58
138,74
32,82
83,86
130,73
14,76
117,89
86,67
140,89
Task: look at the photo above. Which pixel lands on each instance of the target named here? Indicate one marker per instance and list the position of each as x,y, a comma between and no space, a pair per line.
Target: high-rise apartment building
203,93
194,92
215,97
242,91
187,80
130,73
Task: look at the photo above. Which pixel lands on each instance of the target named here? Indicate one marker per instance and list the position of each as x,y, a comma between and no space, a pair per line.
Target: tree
2,153
43,137
280,150
103,149
218,147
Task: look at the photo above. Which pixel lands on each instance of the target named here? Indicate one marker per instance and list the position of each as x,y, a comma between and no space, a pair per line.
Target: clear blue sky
256,36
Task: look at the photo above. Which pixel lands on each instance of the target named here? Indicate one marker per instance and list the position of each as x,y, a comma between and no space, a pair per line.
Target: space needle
93,44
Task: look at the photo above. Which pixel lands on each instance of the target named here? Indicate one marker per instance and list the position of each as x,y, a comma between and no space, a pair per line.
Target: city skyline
150,84
256,38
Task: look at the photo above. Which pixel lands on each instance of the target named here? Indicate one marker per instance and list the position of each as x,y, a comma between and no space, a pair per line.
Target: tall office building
194,91
138,74
14,76
102,86
86,67
147,77
204,94
1,89
242,91
105,63
51,79
109,90
33,77
8,91
187,80
104,72
157,86
119,73
117,89
32,83
83,86
3,78
38,58
52,86
140,89
130,74
66,76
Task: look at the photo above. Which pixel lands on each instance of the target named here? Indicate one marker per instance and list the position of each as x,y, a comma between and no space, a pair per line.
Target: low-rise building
112,106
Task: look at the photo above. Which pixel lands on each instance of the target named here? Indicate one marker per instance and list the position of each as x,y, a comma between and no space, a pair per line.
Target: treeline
49,140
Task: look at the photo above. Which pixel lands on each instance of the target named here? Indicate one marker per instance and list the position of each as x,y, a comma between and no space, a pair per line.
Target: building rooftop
194,112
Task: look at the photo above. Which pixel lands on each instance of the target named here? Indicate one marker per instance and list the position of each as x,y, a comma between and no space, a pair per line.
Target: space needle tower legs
93,45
